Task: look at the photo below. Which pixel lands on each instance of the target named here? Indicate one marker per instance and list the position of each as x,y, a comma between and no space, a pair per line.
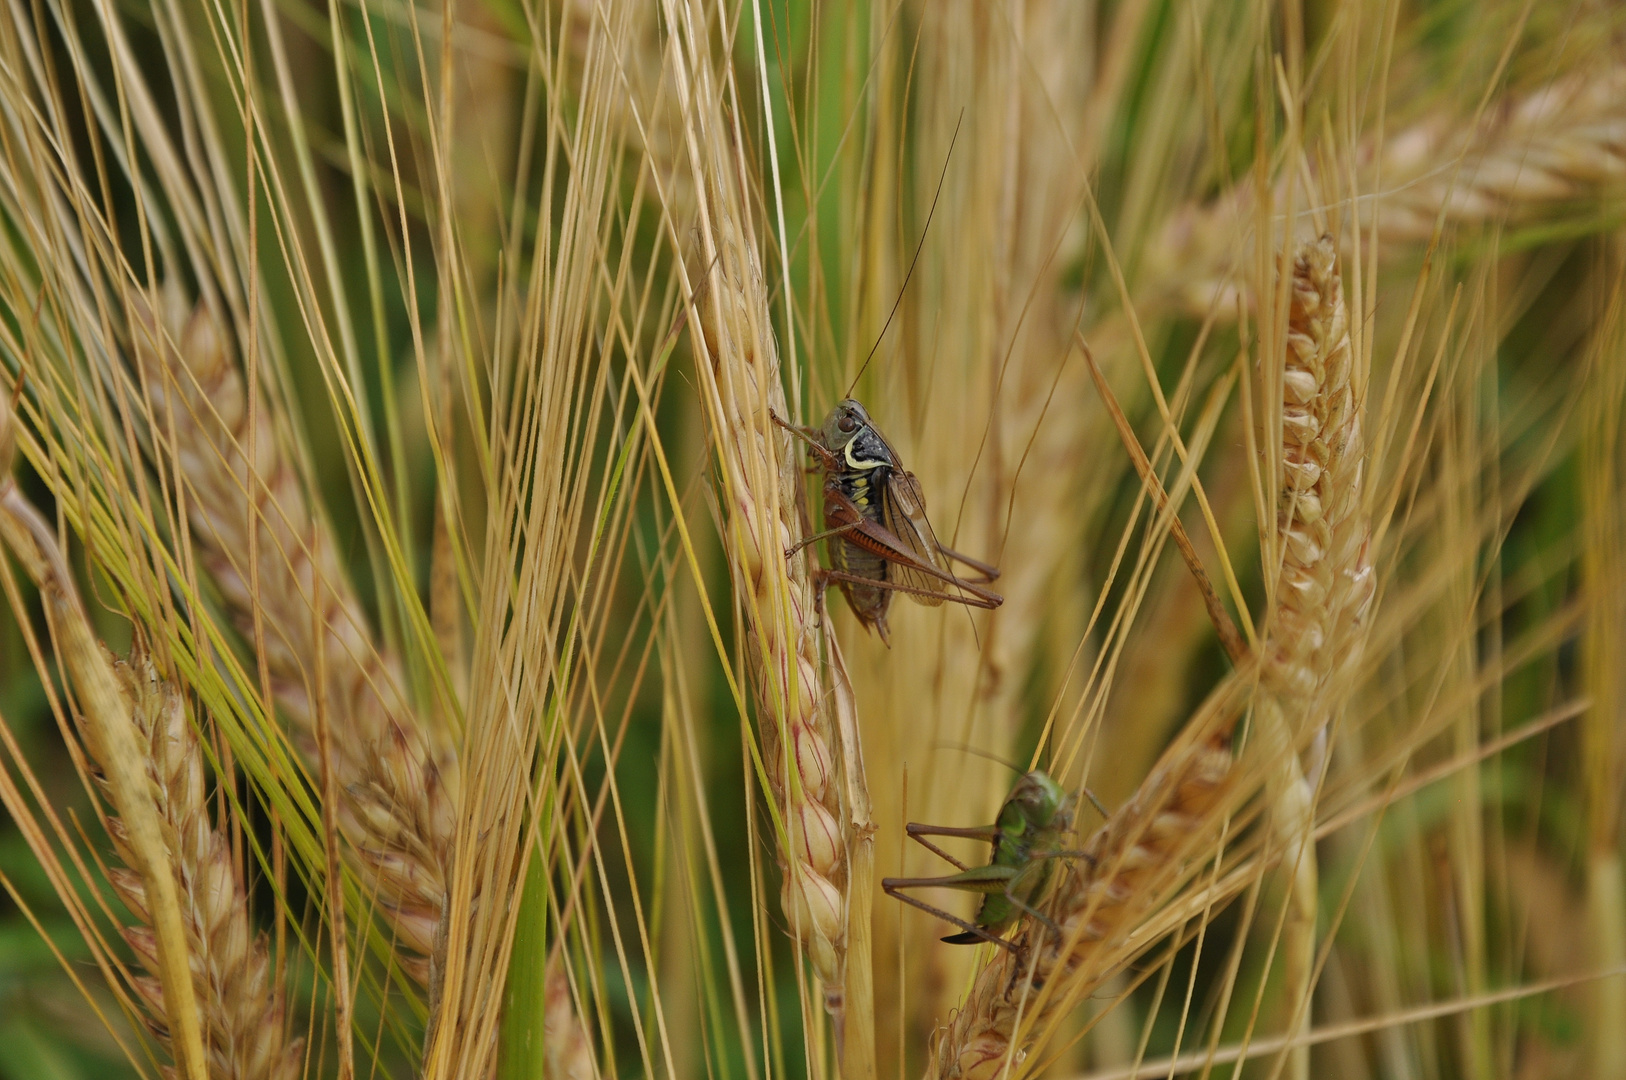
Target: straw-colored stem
1603,567
397,796
1291,801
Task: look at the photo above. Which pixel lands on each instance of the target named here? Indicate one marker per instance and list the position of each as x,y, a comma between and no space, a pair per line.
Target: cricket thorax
866,489
867,452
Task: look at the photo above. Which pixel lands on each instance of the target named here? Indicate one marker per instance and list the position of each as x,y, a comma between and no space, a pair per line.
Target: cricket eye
847,423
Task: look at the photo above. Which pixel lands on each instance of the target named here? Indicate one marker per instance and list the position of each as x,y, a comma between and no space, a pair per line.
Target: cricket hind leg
986,571
976,598
839,530
972,933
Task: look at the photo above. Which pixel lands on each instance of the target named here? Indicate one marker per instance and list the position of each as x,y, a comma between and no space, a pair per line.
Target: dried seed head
398,782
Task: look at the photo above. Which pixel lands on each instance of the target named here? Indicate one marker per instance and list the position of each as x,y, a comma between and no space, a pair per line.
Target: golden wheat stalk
1530,152
398,797
1103,909
761,486
116,745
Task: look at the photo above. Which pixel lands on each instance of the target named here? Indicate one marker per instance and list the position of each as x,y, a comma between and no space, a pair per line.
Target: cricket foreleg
918,833
811,437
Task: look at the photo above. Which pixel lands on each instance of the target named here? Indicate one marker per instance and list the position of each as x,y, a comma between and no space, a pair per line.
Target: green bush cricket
1034,824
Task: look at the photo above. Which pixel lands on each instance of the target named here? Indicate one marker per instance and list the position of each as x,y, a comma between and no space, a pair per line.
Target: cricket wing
905,518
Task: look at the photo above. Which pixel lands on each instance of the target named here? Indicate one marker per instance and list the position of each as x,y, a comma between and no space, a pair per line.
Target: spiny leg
918,833
892,887
977,598
791,551
988,571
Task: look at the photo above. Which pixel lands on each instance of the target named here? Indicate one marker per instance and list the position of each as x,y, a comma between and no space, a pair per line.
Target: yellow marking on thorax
854,462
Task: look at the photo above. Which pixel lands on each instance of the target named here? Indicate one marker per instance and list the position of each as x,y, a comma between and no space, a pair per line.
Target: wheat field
420,656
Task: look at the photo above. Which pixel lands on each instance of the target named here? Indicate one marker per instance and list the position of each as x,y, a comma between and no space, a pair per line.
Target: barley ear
397,796
761,488
1325,584
112,738
1323,590
1530,152
762,484
241,997
569,1049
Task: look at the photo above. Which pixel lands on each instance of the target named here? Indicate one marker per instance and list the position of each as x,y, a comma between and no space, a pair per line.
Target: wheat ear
1323,591
116,745
761,486
1129,870
397,805
241,998
1529,152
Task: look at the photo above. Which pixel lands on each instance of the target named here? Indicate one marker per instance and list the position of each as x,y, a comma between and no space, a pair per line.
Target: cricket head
849,432
1038,801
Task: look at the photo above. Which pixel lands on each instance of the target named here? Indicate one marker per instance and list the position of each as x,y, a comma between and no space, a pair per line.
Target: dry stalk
761,490
1530,152
117,746
1323,591
1134,864
397,810
1603,648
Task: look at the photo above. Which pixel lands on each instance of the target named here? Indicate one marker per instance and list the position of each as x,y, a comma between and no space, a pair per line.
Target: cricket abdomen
864,488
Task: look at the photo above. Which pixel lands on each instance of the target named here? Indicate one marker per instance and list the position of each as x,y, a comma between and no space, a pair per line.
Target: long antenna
964,749
919,247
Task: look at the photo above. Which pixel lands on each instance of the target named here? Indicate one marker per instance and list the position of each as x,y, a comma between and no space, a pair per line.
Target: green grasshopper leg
981,879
